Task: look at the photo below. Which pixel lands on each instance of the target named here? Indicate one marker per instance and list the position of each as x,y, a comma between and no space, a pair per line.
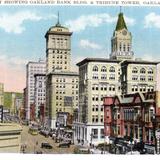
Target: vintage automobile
64,144
46,145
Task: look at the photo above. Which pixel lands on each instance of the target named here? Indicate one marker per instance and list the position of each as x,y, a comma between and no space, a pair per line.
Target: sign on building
1,113
68,101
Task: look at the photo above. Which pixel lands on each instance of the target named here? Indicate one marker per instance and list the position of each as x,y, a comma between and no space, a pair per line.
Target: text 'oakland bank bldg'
99,77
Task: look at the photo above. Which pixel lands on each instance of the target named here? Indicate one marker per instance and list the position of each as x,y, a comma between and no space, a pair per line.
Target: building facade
40,93
119,75
98,77
62,83
131,116
32,68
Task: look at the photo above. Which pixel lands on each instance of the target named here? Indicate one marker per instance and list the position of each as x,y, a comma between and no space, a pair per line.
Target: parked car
39,152
46,145
64,144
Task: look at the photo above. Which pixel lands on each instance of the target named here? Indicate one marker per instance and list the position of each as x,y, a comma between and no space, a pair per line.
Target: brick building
132,116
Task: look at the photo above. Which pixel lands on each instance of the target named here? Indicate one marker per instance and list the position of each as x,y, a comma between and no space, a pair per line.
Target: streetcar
33,130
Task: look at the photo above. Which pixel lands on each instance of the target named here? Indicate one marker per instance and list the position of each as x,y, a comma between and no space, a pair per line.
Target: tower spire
120,9
58,23
121,22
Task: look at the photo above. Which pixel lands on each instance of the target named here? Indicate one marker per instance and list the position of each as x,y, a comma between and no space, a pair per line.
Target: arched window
112,69
150,71
142,70
134,70
103,69
95,69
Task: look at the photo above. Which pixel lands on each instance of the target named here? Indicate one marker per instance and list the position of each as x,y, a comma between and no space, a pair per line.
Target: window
134,77
96,108
112,77
95,69
102,108
95,76
103,69
150,78
135,70
150,71
142,78
150,89
102,133
134,88
95,87
94,133
142,70
112,69
103,76
101,119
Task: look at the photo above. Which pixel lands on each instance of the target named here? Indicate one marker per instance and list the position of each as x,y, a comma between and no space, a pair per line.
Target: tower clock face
124,32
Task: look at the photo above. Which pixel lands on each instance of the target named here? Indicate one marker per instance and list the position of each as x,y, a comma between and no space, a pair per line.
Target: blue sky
22,30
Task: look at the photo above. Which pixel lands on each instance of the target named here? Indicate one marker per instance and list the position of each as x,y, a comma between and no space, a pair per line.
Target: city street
32,146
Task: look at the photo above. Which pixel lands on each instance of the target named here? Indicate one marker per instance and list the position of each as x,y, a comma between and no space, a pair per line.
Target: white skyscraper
32,68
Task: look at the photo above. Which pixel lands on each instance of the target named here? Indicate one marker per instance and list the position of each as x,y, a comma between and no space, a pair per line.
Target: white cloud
150,57
84,43
94,20
13,60
15,22
129,21
152,20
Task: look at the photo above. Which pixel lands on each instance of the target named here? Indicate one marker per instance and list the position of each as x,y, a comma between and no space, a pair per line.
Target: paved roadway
33,146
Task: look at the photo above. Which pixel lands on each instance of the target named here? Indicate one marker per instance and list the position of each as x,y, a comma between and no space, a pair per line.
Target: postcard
79,77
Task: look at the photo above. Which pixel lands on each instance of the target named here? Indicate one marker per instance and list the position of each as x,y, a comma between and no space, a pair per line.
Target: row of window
60,56
60,104
61,97
59,67
142,89
142,70
103,88
97,98
142,78
96,120
64,80
104,76
59,62
41,99
58,51
96,108
94,134
103,69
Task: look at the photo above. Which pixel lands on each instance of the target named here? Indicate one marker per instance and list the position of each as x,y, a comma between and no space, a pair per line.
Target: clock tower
121,42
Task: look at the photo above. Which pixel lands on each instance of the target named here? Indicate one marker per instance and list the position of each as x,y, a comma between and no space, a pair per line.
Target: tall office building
99,77
61,82
32,68
40,93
